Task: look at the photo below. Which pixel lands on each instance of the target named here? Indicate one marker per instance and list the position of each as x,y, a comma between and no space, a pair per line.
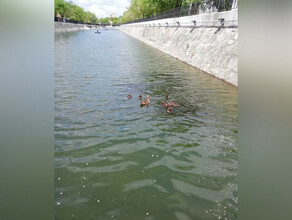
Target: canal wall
64,27
206,41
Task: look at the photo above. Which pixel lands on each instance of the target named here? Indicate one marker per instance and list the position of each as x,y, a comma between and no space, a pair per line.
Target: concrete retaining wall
207,46
63,27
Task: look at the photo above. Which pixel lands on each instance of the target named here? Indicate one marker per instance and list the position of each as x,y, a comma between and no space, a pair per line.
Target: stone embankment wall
63,27
207,43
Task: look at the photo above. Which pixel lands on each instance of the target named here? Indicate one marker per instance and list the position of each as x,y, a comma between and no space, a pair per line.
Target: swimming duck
140,97
167,96
168,110
172,104
166,105
169,104
129,96
145,102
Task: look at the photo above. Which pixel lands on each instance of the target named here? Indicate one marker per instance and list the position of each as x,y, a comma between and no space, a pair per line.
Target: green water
117,160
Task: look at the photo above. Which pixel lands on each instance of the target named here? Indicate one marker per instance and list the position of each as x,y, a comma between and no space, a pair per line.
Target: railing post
234,4
190,9
221,21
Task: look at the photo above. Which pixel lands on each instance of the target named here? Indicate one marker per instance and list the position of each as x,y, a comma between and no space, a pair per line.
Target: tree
73,12
145,8
60,8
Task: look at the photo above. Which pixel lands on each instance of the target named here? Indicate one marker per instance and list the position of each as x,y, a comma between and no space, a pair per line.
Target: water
117,160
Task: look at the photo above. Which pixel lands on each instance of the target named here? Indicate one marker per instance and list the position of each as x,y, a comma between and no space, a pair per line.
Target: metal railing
65,20
193,9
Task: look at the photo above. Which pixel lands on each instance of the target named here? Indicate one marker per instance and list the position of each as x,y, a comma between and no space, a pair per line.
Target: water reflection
117,160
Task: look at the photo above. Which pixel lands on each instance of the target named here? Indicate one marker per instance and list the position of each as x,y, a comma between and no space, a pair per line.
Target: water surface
117,160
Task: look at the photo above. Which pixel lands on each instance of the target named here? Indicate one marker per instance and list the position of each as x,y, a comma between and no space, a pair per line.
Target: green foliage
108,20
146,8
138,9
73,12
188,2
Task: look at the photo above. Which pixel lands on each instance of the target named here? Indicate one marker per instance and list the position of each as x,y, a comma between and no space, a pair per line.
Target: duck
167,96
140,97
166,105
129,96
169,104
168,110
173,104
145,102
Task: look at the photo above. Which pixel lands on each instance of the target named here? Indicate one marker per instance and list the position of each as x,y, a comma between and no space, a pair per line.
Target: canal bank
206,41
66,27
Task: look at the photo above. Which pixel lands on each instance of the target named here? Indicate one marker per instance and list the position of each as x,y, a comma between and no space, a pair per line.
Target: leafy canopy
73,12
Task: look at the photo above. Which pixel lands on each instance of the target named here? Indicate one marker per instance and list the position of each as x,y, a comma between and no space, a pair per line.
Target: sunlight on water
117,160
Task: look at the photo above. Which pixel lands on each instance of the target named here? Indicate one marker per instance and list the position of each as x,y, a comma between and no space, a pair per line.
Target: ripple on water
117,160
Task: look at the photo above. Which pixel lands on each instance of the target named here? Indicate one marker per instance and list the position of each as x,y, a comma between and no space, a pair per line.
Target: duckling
140,97
167,96
169,110
173,104
129,96
166,105
145,102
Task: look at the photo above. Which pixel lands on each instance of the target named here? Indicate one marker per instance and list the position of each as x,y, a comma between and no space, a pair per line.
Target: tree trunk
178,3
